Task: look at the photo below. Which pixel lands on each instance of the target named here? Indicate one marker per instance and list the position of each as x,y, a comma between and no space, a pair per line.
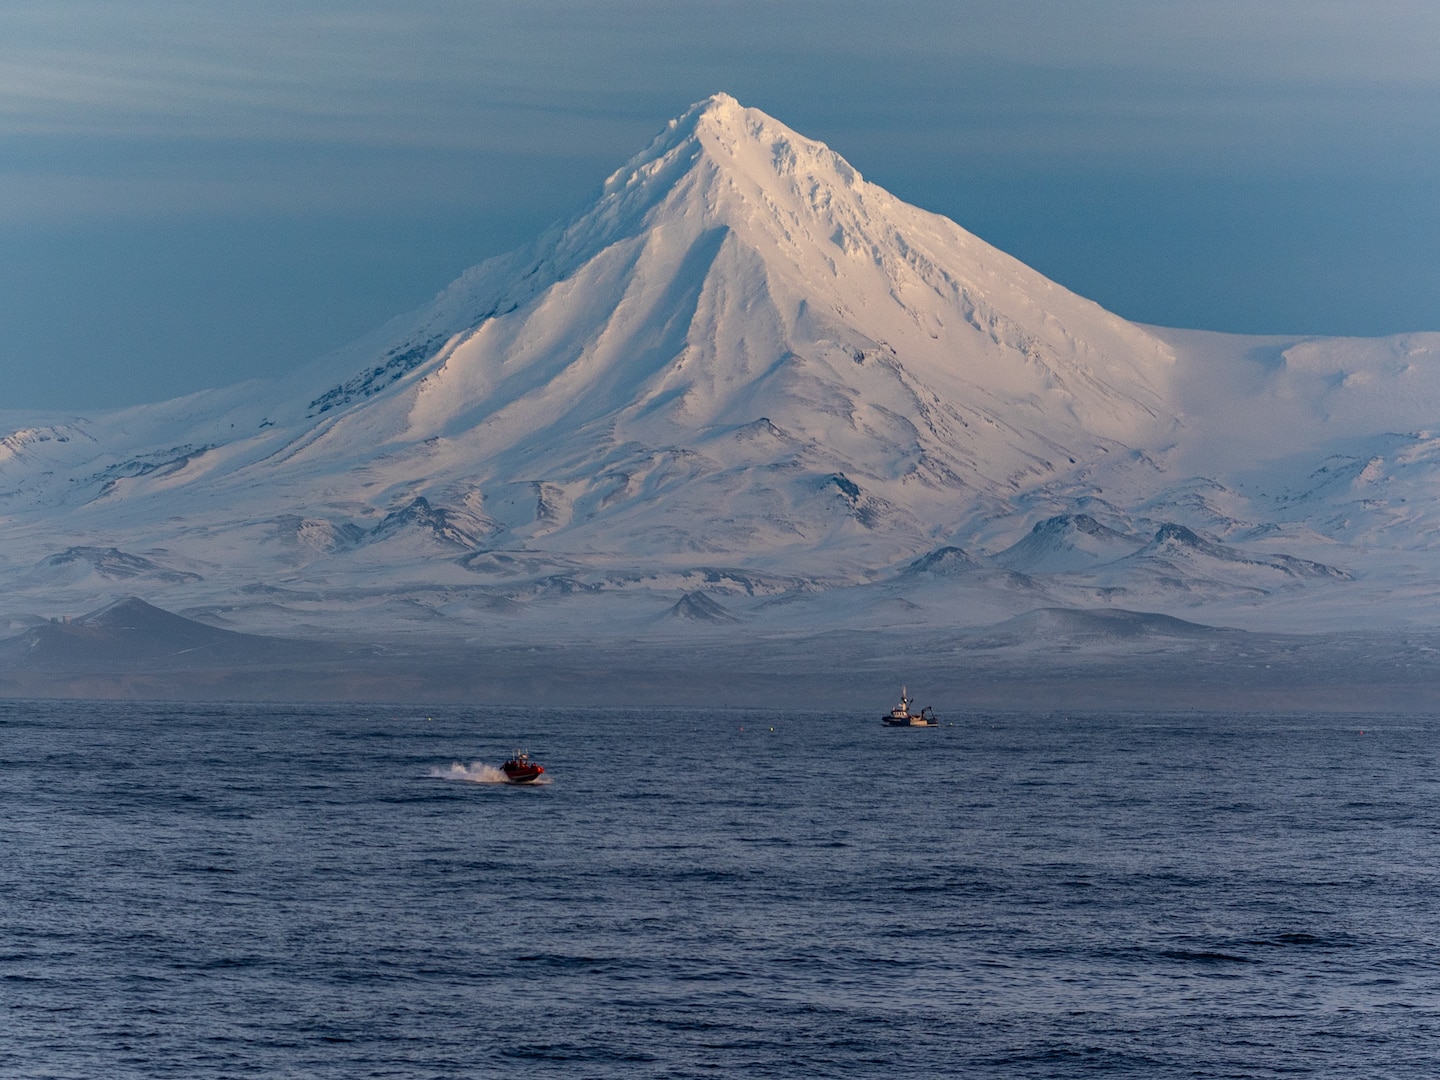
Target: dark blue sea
235,891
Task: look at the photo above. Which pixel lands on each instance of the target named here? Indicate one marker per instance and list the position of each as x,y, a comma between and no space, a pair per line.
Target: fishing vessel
520,769
901,716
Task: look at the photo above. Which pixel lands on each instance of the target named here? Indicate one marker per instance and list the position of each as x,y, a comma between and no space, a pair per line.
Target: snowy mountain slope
1248,400
1067,543
743,368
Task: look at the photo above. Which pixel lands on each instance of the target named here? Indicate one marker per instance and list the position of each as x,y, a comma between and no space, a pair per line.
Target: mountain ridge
743,355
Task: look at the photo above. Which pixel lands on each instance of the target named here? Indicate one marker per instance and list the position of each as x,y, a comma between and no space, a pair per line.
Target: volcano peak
738,354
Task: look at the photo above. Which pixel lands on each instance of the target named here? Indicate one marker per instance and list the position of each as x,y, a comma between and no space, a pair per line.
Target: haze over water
243,890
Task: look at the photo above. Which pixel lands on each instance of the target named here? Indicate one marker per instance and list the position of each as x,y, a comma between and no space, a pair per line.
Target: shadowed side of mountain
76,564
697,607
1051,659
950,566
1066,543
943,561
1175,544
1090,626
131,631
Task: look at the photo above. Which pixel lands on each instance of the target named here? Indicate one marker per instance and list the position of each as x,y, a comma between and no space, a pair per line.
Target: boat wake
477,772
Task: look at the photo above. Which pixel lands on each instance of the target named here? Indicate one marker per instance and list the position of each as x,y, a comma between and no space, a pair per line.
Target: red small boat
520,769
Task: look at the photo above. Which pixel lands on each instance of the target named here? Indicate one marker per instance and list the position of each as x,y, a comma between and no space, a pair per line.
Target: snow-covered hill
744,387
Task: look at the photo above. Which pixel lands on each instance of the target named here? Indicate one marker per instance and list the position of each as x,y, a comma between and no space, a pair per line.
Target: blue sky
193,193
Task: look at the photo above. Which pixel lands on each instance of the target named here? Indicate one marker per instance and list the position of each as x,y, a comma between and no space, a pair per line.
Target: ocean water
231,891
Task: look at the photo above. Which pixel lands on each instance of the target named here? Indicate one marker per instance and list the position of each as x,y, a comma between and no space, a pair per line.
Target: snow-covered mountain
745,387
